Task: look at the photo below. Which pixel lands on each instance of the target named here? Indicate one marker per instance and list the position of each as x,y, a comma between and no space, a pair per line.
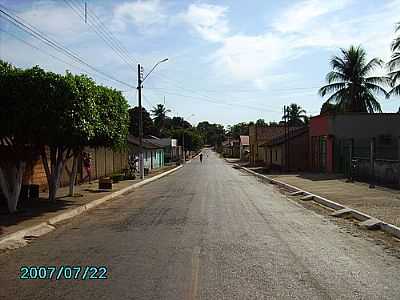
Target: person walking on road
201,157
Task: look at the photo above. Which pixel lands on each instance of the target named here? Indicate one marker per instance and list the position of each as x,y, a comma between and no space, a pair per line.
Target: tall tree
176,123
295,115
213,134
68,120
148,124
18,120
349,83
159,113
261,122
235,131
394,64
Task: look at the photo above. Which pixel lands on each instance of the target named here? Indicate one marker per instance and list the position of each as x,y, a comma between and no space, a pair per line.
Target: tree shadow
29,209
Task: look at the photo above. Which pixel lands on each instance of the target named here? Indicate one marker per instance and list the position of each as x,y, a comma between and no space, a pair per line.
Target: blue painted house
153,152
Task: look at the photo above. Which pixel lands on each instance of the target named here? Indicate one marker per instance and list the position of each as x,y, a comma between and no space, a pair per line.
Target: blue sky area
229,61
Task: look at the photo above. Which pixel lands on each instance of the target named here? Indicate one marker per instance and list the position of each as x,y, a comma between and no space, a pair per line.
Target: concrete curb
193,158
18,238
360,216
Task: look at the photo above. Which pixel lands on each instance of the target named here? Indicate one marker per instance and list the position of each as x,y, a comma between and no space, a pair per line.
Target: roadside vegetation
53,116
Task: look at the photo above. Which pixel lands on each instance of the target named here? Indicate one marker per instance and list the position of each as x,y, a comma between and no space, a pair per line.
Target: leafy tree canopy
148,125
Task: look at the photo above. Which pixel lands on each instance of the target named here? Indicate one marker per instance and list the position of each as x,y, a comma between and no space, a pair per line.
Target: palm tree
295,115
160,115
351,89
394,65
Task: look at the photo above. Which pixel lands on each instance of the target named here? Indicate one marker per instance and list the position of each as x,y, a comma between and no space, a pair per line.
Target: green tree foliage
295,115
114,119
394,65
261,122
193,139
159,113
17,123
212,134
63,114
349,83
148,125
235,131
176,123
328,108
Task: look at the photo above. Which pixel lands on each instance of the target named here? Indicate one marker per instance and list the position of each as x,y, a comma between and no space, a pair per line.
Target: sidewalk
382,203
39,211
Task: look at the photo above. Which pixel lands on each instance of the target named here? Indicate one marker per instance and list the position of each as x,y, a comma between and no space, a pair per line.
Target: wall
277,159
258,136
386,172
364,126
298,151
153,158
104,163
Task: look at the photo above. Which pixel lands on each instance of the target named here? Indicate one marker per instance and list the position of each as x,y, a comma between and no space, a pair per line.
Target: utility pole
141,79
286,136
141,158
183,146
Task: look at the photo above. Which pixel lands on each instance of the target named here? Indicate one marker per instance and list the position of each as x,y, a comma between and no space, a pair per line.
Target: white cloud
56,20
301,28
209,21
250,57
301,14
142,14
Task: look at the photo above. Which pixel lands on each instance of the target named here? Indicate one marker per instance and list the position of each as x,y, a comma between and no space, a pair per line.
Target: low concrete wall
385,171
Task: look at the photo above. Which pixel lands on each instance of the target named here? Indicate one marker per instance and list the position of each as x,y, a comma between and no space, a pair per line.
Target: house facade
259,136
153,152
288,151
336,139
172,152
231,148
244,149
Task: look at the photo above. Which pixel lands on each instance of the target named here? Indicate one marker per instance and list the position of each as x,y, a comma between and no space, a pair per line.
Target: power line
71,64
41,50
100,32
148,101
34,32
113,38
221,103
247,91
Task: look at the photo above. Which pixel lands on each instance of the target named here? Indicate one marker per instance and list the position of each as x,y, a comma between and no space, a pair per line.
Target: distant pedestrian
87,164
201,157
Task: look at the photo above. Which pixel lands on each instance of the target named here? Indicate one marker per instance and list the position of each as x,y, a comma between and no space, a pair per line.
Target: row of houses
360,144
105,161
237,148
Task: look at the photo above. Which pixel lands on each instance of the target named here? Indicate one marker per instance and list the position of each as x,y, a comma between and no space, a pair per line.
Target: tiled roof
147,143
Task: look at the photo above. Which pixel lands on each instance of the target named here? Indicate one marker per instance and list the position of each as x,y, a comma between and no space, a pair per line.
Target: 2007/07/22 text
63,272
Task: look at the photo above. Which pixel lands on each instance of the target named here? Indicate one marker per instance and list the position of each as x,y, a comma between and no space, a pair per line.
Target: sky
228,61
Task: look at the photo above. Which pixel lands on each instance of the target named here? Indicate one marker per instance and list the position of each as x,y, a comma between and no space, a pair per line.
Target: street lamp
141,79
183,140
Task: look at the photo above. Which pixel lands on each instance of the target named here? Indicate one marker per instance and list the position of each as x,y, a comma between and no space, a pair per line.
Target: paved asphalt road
205,232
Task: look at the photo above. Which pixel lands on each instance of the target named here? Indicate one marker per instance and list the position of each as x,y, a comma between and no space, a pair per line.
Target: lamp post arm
152,69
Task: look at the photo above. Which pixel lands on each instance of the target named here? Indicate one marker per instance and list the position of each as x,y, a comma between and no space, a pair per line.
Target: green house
153,152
